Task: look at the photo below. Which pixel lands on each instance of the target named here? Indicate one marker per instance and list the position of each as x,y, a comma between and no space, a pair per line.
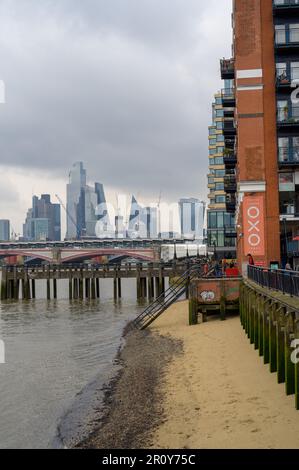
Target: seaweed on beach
133,403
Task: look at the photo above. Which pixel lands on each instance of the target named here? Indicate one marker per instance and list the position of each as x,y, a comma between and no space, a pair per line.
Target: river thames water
59,354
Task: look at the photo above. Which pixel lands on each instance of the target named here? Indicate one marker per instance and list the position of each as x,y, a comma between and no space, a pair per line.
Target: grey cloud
124,85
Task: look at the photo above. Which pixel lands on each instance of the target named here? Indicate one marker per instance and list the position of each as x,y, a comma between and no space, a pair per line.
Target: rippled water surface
58,355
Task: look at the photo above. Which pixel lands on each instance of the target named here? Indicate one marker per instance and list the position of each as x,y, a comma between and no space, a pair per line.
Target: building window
219,186
212,151
218,160
280,34
219,173
220,199
220,138
219,125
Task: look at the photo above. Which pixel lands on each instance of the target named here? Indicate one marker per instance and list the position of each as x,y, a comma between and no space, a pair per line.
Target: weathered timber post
4,284
266,330
289,336
138,281
54,287
280,328
261,311
70,286
75,288
32,289
80,285
272,337
256,320
93,287
87,288
161,281
27,285
157,287
119,283
15,283
115,284
23,289
98,287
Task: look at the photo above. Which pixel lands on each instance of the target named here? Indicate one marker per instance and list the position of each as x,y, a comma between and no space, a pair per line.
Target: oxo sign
254,228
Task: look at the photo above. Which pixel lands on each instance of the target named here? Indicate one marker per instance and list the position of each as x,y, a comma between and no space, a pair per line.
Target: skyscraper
143,221
75,222
265,70
86,205
43,220
192,214
4,230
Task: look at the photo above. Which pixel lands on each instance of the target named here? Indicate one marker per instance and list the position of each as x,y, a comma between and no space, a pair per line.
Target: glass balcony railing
289,209
285,3
228,94
230,183
288,115
227,68
288,155
285,77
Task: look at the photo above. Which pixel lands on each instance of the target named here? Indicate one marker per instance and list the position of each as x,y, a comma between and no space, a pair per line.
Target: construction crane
69,216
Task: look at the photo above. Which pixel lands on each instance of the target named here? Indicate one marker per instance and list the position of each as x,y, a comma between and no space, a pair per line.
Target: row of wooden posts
272,326
80,287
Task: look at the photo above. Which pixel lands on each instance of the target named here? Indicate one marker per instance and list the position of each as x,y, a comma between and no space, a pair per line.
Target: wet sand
219,394
133,404
197,387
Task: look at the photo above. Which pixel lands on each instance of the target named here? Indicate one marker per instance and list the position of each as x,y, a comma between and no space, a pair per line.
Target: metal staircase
165,300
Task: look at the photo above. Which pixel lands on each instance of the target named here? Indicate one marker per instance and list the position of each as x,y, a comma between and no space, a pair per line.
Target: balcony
228,98
229,159
289,209
288,117
230,204
227,69
288,157
284,7
229,129
286,77
229,143
293,247
287,39
230,183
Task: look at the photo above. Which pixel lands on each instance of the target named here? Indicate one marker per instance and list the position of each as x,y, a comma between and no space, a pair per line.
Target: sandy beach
200,387
219,394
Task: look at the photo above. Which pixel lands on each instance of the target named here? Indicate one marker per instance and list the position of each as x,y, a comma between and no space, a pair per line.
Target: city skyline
86,205
147,123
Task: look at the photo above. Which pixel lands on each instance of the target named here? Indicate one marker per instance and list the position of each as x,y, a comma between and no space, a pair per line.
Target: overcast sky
123,85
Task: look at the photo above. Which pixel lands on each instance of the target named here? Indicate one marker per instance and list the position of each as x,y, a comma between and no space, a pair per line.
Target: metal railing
227,66
166,299
278,280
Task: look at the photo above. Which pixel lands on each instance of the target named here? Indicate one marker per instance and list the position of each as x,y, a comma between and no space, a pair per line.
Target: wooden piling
4,284
280,346
32,289
55,288
289,364
70,287
98,287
